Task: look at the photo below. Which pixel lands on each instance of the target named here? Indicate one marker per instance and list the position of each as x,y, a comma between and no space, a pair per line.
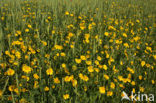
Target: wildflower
49,71
99,58
85,78
143,63
10,72
126,45
102,90
26,30
63,65
1,93
56,80
36,76
90,69
25,77
66,13
67,79
112,85
83,57
29,26
78,61
140,77
125,35
18,54
11,88
63,54
74,82
133,83
66,96
109,93
106,76
105,67
88,62
106,33
26,69
46,89
141,89
59,47
153,82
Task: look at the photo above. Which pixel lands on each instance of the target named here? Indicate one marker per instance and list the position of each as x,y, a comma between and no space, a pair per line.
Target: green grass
65,36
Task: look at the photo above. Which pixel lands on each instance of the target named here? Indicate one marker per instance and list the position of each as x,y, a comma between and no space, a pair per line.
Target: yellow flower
1,93
63,54
153,82
112,85
56,80
63,65
67,79
141,89
26,30
25,77
49,71
74,83
46,89
78,61
140,77
133,83
36,84
126,45
10,72
83,57
66,13
125,35
106,76
66,96
102,90
44,43
90,69
88,62
59,47
143,63
99,58
23,100
29,26
105,67
26,69
106,33
18,54
11,88
109,93
36,76
85,78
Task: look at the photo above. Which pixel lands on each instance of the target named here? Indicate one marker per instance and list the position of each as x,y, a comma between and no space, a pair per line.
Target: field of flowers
74,51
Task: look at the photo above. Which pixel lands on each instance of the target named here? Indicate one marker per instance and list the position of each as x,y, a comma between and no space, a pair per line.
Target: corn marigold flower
143,63
10,72
74,82
112,85
49,71
90,69
102,90
105,67
1,93
66,96
46,89
56,80
109,93
78,61
36,76
26,69
106,76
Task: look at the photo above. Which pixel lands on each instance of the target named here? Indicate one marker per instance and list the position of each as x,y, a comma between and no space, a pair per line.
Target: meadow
77,51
